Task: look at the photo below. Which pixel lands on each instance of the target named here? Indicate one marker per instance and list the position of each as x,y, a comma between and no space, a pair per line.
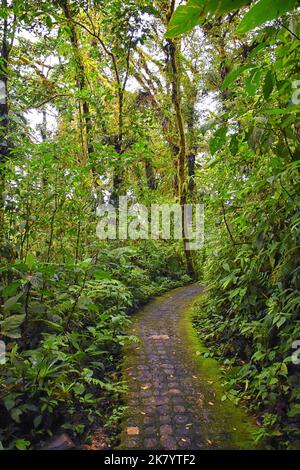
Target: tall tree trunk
84,110
118,174
182,153
174,55
4,123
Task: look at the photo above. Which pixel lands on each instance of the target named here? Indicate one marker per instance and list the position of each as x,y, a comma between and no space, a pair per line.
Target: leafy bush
64,327
251,316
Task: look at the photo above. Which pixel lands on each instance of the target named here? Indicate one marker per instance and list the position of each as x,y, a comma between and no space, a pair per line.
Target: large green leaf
186,17
10,326
220,7
268,84
12,302
252,81
30,261
218,140
234,74
265,10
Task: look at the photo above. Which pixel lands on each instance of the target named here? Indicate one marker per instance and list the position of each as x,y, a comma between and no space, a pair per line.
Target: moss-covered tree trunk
174,47
83,106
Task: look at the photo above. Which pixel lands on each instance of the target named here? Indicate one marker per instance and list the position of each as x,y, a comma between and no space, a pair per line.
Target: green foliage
10,326
186,17
65,362
194,12
263,11
100,80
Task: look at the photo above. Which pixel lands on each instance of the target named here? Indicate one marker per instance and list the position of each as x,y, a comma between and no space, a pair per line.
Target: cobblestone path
167,407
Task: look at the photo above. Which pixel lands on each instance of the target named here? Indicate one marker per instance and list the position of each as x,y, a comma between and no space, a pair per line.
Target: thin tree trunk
151,183
4,123
118,175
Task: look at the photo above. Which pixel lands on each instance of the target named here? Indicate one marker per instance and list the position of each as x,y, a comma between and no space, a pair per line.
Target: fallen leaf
164,337
133,431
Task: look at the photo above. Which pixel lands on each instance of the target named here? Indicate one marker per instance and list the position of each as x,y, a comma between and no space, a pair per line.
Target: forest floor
174,396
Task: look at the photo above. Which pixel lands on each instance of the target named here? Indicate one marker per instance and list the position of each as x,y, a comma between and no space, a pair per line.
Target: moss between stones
225,415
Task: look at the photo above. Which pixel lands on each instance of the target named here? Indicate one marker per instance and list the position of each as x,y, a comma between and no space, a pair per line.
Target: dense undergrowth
249,322
65,326
249,180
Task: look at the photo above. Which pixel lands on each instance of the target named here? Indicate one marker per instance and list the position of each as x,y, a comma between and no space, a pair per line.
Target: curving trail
170,405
